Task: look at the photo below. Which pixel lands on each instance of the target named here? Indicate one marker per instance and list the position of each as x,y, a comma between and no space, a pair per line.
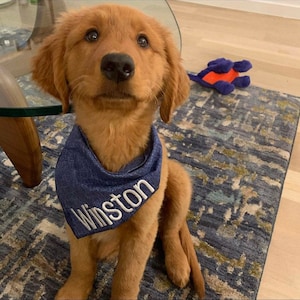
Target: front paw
178,270
73,291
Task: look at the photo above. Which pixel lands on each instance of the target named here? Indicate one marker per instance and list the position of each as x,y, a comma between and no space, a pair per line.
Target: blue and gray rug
237,149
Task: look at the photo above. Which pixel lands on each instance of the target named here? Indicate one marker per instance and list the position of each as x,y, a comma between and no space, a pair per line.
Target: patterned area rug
237,149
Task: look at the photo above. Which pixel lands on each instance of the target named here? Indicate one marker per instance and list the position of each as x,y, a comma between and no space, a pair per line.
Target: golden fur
116,117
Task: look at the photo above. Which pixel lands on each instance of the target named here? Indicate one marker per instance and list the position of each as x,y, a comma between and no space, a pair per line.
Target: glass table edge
30,111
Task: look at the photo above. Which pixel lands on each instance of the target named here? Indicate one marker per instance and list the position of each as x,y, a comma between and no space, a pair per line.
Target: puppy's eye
142,41
92,35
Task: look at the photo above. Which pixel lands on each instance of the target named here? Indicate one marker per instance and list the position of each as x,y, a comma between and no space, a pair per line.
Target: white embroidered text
113,210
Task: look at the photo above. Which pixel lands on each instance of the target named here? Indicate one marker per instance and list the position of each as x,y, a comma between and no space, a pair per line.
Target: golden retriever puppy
114,180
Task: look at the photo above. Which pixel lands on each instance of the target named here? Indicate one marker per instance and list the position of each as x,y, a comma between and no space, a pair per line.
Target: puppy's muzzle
117,67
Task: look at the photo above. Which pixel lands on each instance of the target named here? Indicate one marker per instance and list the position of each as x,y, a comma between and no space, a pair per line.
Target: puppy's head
108,55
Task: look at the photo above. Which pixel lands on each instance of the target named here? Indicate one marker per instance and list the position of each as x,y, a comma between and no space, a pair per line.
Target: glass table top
23,25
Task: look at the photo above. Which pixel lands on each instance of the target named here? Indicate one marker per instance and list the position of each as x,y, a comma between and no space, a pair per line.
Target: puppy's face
110,56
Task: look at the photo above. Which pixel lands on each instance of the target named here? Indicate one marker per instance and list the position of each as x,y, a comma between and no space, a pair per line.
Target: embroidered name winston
115,208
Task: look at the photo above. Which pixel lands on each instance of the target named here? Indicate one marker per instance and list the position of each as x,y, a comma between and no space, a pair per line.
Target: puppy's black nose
117,66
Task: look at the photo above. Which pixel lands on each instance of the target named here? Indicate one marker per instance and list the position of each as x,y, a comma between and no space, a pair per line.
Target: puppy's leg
83,264
135,249
175,208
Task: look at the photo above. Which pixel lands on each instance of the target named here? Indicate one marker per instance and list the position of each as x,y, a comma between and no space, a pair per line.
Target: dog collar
95,200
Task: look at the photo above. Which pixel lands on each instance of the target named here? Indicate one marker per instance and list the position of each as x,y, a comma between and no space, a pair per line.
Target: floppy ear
176,84
48,68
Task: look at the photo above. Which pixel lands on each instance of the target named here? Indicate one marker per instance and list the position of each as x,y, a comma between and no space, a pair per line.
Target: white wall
282,8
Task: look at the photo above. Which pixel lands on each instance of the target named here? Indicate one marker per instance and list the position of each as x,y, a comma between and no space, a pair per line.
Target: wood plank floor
272,44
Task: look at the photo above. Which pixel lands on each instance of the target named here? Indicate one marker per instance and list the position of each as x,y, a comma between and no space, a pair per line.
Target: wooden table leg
20,141
18,136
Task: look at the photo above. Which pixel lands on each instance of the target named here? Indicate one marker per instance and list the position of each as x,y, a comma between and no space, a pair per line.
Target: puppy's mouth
115,96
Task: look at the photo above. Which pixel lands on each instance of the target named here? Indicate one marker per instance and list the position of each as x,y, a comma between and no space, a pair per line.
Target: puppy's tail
188,247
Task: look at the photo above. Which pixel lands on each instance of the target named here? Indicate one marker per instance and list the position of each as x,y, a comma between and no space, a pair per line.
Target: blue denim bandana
96,200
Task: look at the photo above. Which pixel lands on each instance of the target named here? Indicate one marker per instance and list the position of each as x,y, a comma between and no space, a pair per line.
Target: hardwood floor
272,44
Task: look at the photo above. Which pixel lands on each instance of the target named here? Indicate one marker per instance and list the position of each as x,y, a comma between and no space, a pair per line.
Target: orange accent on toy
213,77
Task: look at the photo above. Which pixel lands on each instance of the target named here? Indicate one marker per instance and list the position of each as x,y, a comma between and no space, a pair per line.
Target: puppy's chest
107,243
95,200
